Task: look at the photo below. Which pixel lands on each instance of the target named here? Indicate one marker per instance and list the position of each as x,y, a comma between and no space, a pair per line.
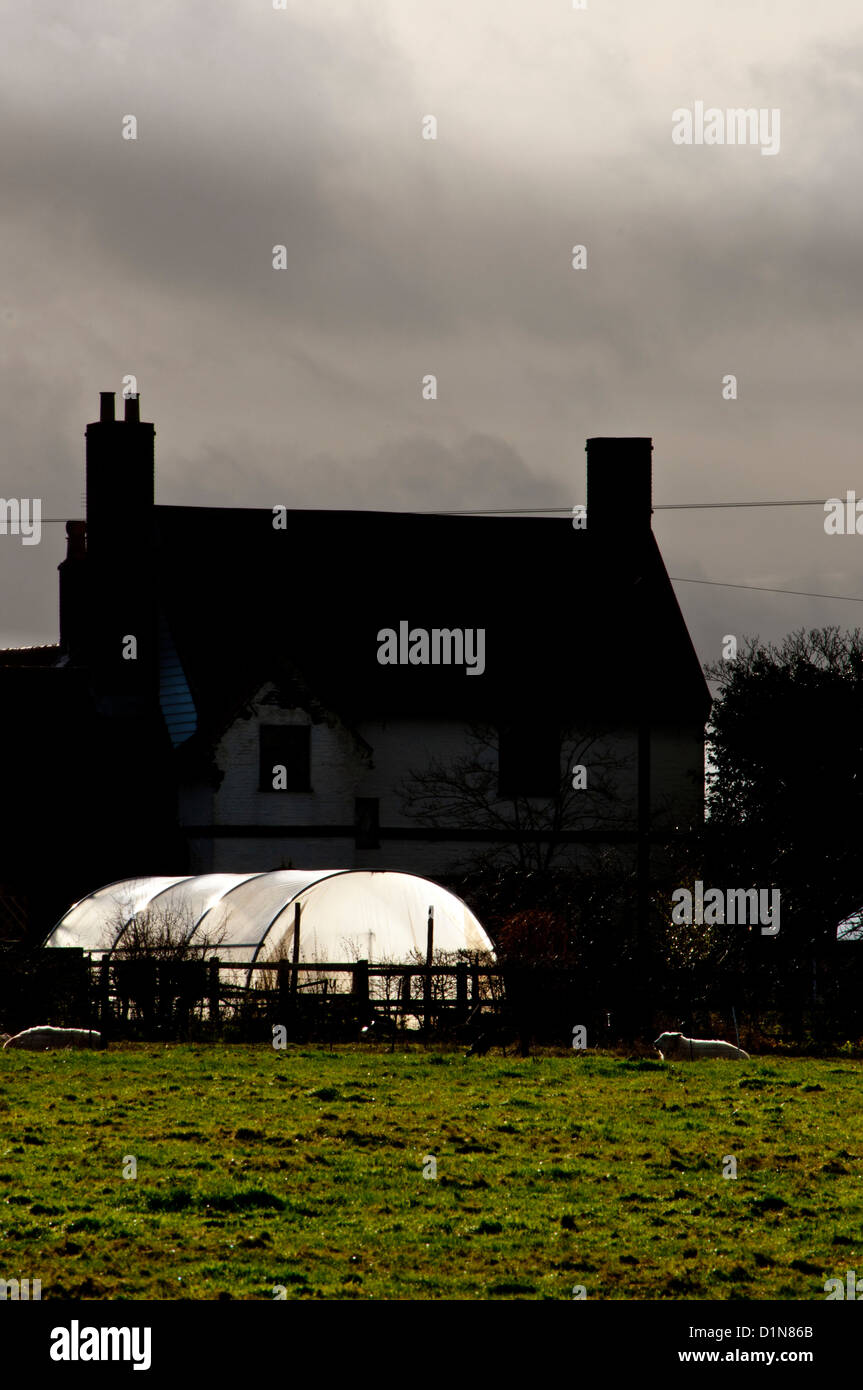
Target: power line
695,506
763,589
567,510
657,507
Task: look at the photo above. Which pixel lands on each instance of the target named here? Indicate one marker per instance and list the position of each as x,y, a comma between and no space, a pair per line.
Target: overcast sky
451,256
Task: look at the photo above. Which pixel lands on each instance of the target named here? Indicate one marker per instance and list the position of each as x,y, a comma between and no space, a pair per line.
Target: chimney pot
133,409
106,407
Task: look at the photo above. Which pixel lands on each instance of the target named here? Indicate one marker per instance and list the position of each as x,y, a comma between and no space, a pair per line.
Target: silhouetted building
251,689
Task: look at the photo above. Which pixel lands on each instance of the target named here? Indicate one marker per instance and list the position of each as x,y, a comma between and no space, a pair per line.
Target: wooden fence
144,998
121,996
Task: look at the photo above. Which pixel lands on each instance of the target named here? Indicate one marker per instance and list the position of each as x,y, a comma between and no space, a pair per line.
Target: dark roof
46,655
574,625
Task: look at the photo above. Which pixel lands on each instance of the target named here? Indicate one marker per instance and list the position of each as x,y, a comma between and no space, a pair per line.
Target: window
367,822
285,753
529,761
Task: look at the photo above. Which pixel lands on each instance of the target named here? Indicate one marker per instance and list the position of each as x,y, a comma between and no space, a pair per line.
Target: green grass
304,1168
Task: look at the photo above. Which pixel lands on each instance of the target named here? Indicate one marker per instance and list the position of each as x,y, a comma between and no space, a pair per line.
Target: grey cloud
406,257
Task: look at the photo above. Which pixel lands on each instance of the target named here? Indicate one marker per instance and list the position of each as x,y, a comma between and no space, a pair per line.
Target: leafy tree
785,790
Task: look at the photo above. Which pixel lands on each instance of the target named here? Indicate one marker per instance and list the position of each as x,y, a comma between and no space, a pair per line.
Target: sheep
45,1037
675,1047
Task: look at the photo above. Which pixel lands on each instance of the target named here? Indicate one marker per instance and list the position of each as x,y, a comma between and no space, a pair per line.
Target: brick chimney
120,480
74,605
119,558
619,488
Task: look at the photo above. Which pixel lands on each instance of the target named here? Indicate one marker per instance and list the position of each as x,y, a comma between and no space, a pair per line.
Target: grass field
304,1168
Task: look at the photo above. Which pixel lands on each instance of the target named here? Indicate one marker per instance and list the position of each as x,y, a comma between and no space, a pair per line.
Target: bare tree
153,954
526,832
161,931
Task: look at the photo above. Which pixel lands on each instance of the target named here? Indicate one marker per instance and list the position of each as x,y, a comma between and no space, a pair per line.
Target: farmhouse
252,726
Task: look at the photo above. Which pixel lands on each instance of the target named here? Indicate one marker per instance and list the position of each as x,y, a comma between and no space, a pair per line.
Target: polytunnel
246,919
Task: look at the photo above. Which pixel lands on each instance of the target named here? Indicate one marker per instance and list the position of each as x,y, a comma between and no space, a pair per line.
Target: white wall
372,762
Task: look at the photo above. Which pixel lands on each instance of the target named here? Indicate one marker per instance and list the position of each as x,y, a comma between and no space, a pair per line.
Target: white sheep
674,1047
45,1037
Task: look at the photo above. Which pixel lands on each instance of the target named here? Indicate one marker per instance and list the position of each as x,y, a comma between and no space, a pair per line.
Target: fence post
104,991
150,972
213,988
427,978
283,976
295,959
163,995
461,992
406,992
361,987
92,1022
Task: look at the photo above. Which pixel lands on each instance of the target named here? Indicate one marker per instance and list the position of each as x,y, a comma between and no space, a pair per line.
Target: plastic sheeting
347,914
